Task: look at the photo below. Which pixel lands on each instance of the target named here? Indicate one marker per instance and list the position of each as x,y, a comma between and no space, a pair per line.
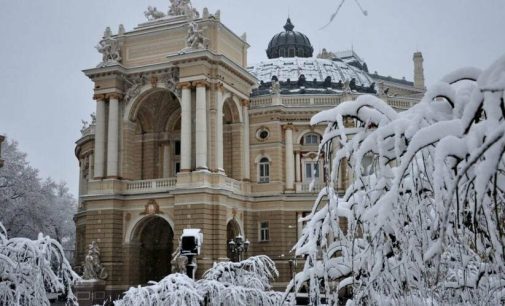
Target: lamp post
238,246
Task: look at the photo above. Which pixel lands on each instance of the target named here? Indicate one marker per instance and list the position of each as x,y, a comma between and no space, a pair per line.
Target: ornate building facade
187,135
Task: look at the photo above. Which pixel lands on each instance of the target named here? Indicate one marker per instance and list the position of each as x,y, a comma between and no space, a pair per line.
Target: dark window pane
177,148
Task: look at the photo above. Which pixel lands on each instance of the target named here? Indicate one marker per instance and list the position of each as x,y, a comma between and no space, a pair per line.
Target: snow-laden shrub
244,283
29,269
175,289
427,226
241,283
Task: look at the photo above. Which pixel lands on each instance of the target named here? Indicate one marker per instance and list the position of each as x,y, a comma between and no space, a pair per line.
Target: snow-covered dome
291,65
289,43
312,68
311,73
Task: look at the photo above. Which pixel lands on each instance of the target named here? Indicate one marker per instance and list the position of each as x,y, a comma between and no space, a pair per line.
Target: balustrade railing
164,184
305,187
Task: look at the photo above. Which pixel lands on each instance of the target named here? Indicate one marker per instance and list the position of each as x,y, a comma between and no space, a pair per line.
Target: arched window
311,139
264,170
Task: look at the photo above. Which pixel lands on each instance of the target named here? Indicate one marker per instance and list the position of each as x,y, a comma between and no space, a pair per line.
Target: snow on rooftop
311,68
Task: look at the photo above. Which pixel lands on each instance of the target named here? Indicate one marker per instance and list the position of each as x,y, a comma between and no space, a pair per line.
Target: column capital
99,97
245,102
288,126
114,95
184,85
201,83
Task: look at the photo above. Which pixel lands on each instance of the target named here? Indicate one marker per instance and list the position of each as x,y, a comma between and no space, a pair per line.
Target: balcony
191,181
150,186
304,187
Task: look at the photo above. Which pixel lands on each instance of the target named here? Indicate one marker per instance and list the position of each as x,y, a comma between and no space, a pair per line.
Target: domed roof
314,75
311,68
289,43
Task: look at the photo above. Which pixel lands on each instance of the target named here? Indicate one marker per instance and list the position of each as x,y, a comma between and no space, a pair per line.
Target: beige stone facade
181,142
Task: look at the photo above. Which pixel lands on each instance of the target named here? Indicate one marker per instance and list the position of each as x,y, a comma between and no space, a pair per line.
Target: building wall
113,210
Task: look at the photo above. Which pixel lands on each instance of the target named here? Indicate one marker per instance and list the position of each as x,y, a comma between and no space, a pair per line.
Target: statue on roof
276,87
152,13
110,48
325,54
183,8
195,38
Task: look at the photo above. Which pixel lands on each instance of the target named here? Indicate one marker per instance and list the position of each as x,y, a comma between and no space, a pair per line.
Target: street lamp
238,246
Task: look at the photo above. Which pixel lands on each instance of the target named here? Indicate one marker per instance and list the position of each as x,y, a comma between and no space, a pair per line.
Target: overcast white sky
46,44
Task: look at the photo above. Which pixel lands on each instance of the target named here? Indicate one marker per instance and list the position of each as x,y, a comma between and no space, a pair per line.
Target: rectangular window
264,172
311,170
177,148
264,231
177,167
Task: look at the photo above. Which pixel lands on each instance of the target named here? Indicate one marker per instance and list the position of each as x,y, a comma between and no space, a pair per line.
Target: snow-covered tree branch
30,205
423,222
29,269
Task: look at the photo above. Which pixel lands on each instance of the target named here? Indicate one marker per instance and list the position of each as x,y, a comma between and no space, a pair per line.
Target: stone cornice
216,59
120,70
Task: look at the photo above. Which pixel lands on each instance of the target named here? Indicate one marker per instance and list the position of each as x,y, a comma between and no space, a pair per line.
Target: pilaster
100,136
246,156
219,129
289,158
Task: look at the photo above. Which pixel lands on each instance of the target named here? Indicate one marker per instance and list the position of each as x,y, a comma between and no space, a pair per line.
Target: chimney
418,70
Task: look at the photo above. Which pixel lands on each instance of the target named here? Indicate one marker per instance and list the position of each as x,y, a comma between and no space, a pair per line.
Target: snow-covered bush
243,283
29,269
426,222
175,289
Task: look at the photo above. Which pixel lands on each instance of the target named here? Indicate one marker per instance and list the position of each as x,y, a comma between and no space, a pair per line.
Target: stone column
246,165
113,136
166,160
298,166
90,167
186,128
201,126
100,136
82,178
290,178
219,130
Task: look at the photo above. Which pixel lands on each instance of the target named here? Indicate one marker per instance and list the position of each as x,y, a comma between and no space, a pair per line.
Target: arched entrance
232,231
154,238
